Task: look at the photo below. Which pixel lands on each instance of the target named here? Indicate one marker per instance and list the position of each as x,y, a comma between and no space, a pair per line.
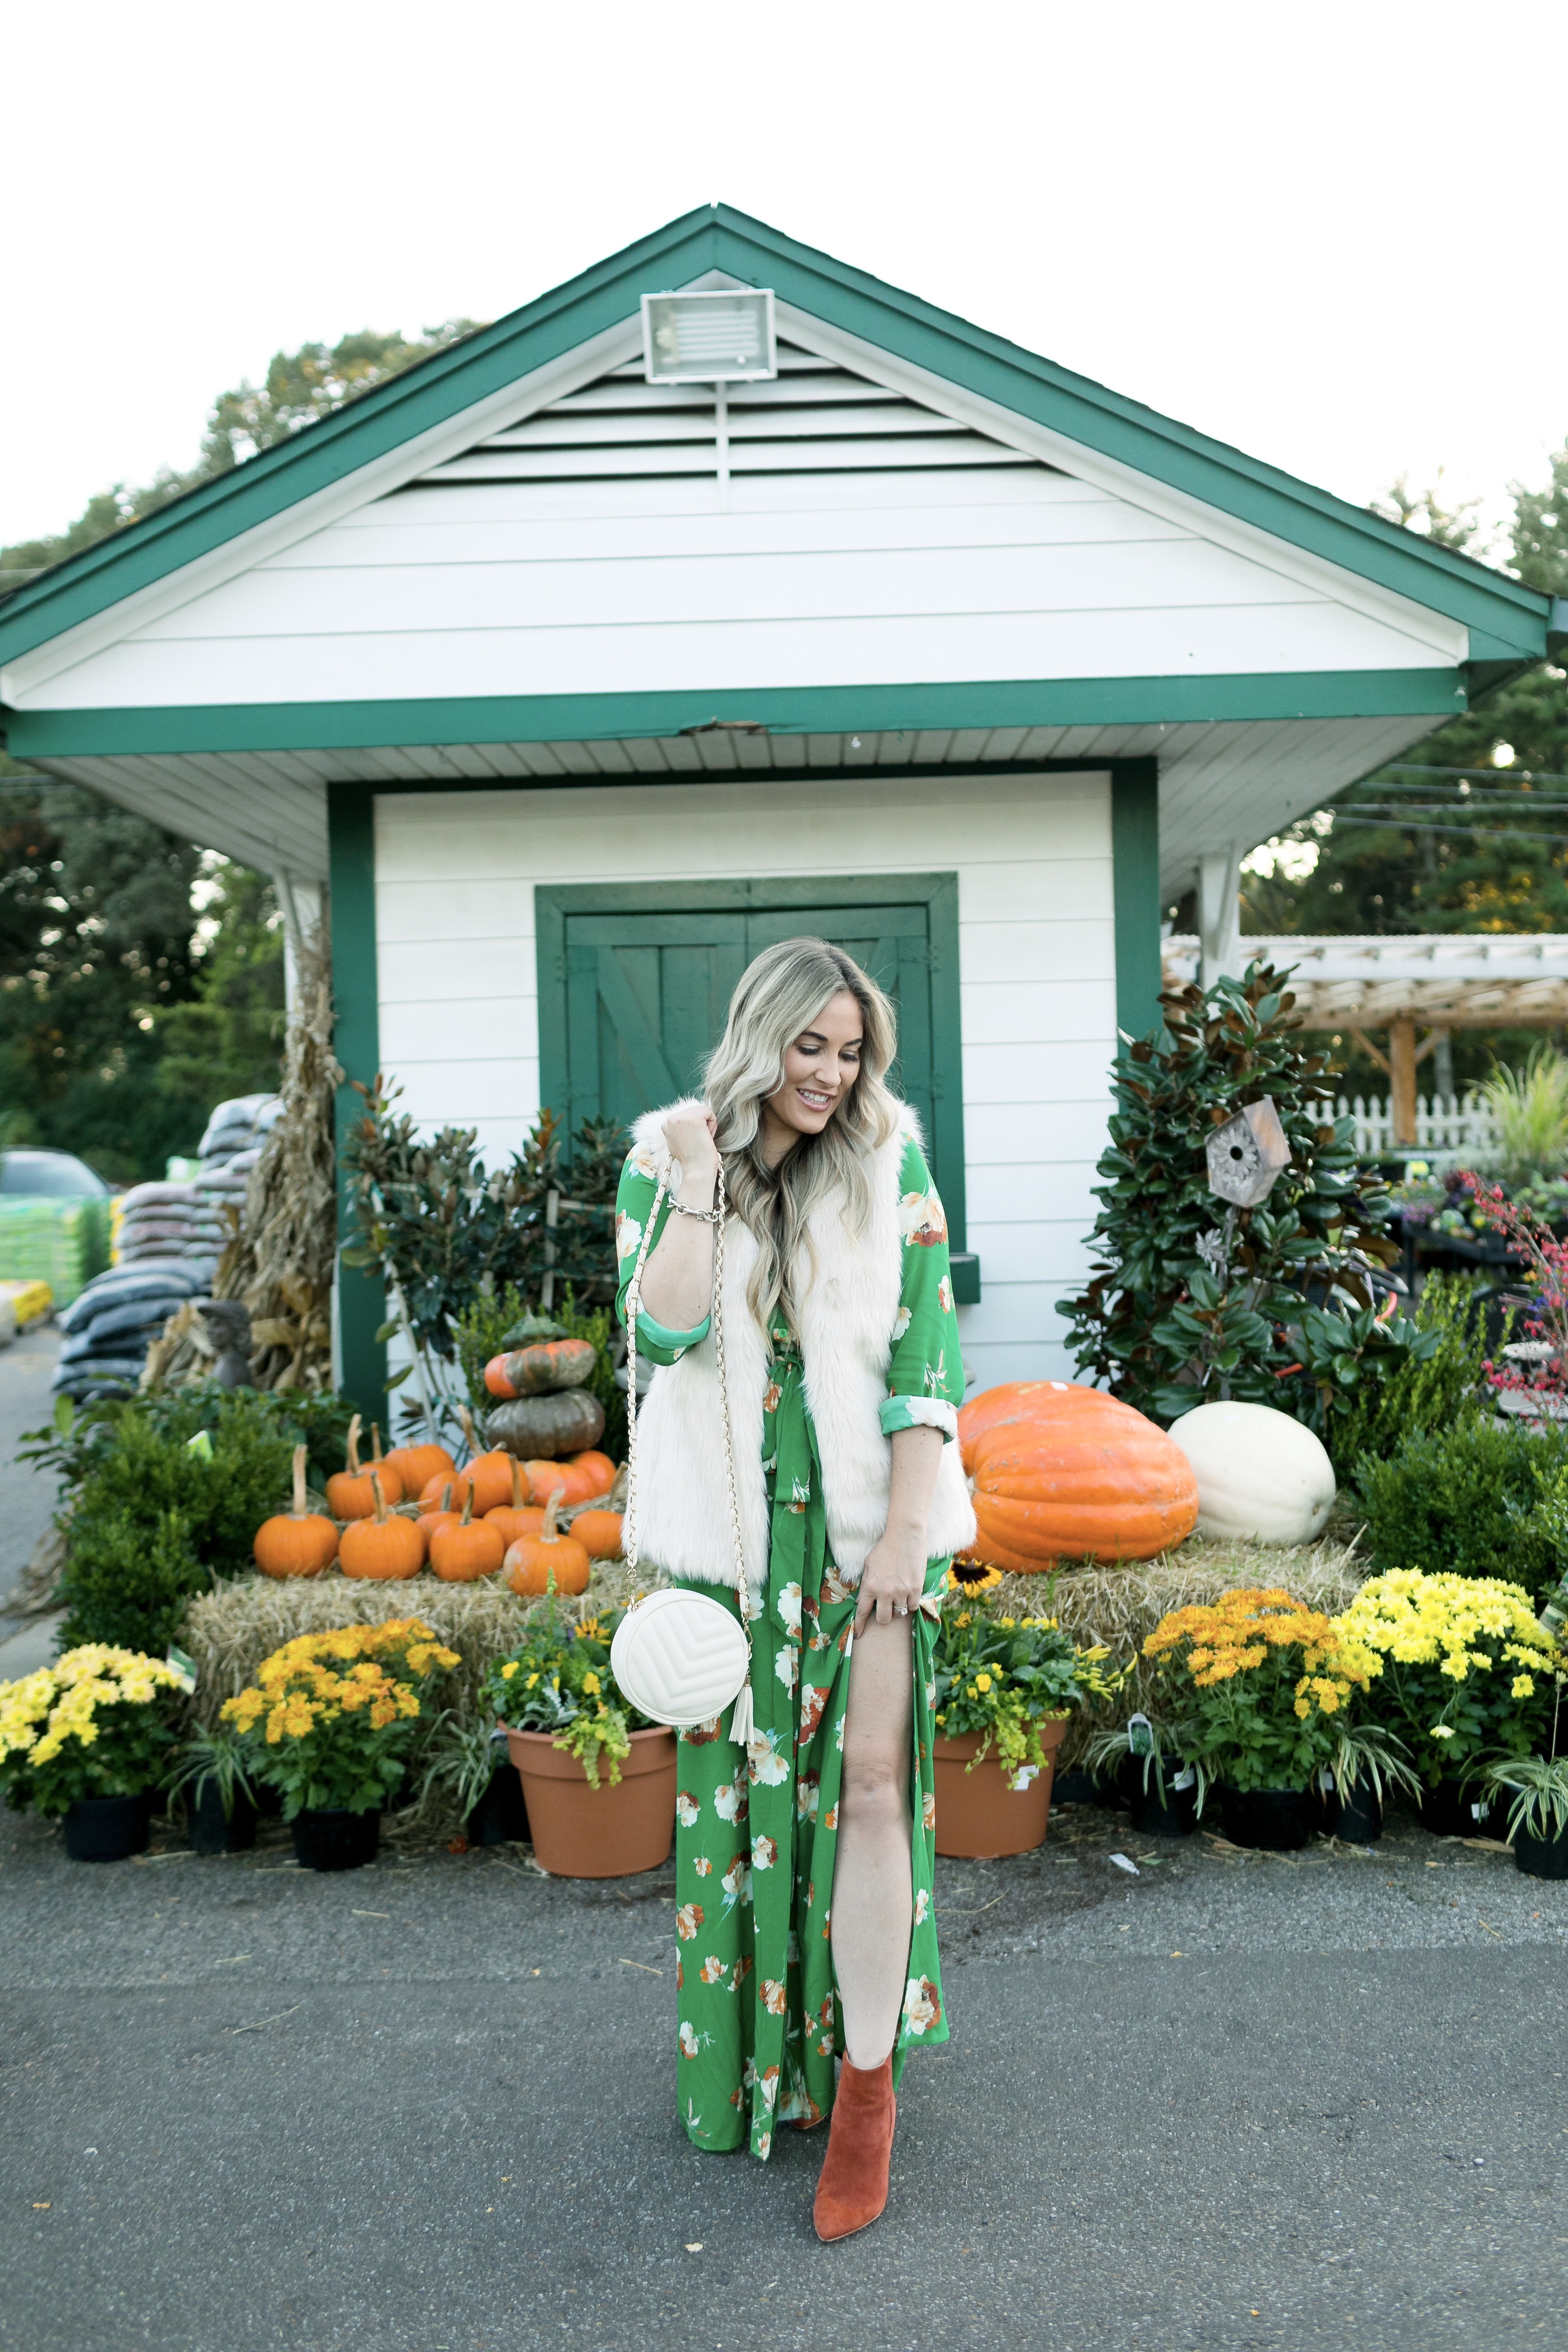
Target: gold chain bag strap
679,1657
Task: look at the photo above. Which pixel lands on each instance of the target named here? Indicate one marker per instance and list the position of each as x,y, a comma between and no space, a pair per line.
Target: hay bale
1121,1606
230,1631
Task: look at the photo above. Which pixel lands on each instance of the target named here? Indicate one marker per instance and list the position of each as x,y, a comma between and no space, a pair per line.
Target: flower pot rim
967,1743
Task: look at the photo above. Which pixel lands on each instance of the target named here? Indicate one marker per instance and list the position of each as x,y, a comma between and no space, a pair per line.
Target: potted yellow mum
90,1738
330,1722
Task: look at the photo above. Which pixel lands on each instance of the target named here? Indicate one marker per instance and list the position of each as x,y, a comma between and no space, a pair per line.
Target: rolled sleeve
919,1413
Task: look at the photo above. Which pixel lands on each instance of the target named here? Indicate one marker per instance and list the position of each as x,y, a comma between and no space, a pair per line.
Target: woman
803,1867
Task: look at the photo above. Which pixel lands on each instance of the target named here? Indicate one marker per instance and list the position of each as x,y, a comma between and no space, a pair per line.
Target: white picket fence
1445,1123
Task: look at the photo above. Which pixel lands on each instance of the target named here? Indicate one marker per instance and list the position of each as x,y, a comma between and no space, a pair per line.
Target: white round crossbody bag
679,1657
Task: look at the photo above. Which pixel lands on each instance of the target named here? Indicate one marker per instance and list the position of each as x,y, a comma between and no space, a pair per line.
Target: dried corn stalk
280,1261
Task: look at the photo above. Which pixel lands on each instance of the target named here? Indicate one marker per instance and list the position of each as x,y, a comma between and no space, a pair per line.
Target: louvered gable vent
814,417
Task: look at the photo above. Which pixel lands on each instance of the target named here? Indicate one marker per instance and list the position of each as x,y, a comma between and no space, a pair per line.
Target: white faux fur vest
846,1332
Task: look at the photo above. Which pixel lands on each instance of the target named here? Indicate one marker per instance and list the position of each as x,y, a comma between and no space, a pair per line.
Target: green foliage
1530,1107
1437,1385
1467,1499
1273,1305
558,1679
453,1234
153,1522
216,1758
1538,1787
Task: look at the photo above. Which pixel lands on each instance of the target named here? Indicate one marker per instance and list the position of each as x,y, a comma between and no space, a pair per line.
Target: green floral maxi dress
760,2023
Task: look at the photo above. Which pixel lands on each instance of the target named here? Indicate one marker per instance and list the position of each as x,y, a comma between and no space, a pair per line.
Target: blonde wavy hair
778,996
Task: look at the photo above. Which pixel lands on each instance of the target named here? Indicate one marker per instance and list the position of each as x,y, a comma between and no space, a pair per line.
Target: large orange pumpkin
534,1561
1060,1472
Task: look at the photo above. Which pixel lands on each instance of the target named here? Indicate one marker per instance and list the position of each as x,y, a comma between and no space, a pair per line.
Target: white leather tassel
742,1724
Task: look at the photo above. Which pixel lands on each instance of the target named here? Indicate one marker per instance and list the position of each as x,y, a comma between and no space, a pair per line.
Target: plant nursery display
1260,1475
330,1723
599,1779
1478,1496
91,1737
1255,1691
1060,1472
1467,1676
300,1541
1003,1688
1274,1303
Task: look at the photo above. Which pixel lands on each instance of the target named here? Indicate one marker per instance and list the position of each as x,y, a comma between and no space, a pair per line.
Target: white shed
591,654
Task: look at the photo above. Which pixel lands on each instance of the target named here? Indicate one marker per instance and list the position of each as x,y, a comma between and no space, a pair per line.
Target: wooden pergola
1404,986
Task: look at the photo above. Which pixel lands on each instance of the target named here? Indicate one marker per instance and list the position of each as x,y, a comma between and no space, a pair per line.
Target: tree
1467,831
300,388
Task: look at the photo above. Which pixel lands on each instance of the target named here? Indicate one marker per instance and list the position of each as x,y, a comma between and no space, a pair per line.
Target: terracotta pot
610,1831
979,1814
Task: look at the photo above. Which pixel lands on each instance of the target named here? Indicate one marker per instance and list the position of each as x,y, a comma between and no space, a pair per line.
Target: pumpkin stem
300,1510
468,1519
466,1418
550,1532
351,1457
375,1441
380,1500
518,1497
447,1496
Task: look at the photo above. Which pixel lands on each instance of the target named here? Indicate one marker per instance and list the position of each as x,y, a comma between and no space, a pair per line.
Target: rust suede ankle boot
853,2188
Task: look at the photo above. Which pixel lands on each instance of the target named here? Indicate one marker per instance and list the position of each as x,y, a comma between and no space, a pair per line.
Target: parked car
50,1175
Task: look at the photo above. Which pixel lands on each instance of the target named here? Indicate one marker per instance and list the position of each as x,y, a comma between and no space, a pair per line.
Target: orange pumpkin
348,1493
462,1552
489,1476
438,1515
447,1491
602,1467
599,1533
547,1479
533,1560
381,1545
417,1465
1061,1471
299,1542
517,1517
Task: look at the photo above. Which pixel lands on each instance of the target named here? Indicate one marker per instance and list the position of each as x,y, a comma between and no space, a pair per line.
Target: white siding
765,583
457,973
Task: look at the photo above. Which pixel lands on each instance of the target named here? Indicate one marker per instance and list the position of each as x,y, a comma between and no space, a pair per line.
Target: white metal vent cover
720,335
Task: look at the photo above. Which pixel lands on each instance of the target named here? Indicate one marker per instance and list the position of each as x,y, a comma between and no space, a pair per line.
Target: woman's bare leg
873,1896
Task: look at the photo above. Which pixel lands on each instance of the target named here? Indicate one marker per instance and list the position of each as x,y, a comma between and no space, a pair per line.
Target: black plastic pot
336,1839
1077,1787
1274,1821
1540,1857
1358,1818
108,1828
1173,1815
501,1817
1449,1809
211,1829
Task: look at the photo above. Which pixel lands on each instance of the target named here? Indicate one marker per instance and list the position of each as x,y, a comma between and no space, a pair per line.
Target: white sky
1327,235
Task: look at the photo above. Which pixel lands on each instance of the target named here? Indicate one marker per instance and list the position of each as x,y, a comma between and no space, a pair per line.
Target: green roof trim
196,728
1509,619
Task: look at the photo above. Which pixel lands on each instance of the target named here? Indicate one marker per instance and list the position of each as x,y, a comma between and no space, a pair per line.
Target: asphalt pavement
1231,2101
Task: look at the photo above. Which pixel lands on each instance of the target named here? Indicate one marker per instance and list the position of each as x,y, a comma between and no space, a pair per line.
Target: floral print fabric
756,1834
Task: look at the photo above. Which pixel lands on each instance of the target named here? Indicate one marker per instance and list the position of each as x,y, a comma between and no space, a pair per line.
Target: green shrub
153,1521
1418,1394
1464,1501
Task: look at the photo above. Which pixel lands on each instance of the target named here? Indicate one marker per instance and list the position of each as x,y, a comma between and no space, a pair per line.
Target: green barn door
635,980
646,998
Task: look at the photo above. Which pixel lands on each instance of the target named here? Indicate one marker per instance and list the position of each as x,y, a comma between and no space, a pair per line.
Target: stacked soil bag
109,1327
232,1146
163,1223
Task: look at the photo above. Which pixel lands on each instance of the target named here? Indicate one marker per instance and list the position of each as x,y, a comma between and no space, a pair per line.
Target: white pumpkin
1260,1475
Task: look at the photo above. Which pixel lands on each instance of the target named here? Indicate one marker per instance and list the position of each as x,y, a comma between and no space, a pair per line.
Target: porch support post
361,1364
1402,1079
1135,893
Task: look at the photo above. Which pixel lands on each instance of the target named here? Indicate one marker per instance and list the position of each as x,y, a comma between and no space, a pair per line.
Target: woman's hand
893,1577
690,1137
